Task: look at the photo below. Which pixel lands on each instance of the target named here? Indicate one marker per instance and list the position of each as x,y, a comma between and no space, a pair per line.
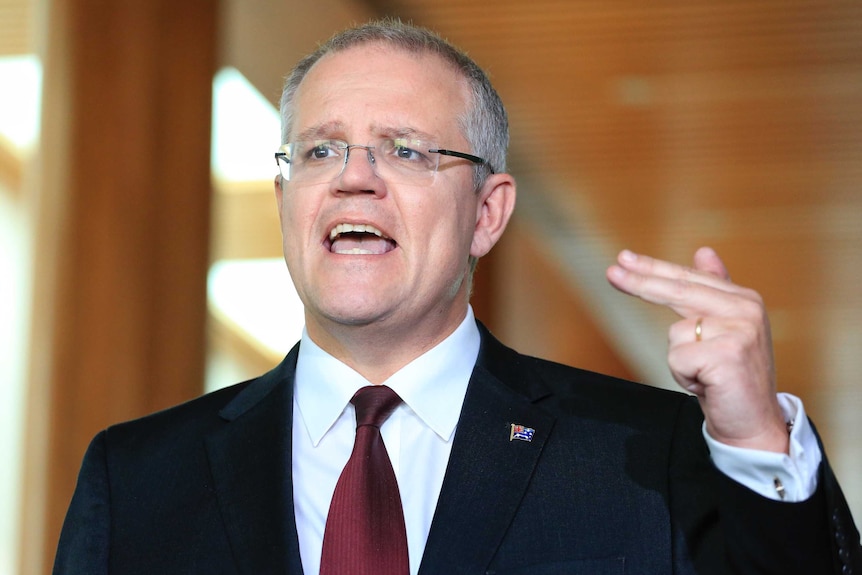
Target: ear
495,205
279,194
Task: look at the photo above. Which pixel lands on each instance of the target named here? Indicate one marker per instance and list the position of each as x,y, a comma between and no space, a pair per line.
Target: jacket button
840,538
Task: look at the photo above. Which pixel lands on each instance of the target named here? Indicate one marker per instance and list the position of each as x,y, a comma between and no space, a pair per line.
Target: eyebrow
325,130
406,133
321,131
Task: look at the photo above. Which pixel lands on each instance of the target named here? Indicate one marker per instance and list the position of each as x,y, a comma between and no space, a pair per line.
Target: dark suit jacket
616,479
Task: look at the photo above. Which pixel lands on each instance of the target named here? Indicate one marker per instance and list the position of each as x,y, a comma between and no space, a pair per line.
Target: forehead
376,87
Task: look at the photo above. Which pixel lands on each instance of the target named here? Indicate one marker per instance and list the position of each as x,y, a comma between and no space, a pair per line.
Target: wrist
775,438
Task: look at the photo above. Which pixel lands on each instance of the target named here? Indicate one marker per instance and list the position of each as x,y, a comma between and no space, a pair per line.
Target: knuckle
745,337
752,296
680,288
752,310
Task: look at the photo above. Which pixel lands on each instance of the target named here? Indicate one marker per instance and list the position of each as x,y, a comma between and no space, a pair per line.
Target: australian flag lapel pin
521,432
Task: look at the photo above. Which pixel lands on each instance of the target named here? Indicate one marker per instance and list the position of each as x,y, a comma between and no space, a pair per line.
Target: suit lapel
485,480
250,462
487,473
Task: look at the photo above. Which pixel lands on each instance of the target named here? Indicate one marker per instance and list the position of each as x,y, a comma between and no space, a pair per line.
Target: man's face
415,278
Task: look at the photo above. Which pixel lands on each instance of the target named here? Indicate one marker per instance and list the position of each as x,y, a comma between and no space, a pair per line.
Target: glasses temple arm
462,155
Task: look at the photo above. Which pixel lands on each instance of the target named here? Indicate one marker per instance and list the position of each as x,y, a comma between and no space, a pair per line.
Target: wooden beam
122,245
245,221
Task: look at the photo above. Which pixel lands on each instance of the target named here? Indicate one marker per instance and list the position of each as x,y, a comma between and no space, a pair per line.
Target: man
392,184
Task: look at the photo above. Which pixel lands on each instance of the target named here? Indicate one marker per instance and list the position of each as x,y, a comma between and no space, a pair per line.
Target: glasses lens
283,164
314,161
409,160
399,160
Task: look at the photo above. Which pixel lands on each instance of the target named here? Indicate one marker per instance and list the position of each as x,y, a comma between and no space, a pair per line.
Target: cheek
467,215
295,243
451,235
291,206
452,202
297,218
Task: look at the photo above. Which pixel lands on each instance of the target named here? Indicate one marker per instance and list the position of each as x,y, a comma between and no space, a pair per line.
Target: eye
409,152
405,153
321,150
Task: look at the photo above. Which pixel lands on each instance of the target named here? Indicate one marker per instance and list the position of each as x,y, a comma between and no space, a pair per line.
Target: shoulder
564,390
189,421
582,393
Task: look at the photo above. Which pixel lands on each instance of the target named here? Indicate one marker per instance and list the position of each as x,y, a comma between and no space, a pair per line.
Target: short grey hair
485,124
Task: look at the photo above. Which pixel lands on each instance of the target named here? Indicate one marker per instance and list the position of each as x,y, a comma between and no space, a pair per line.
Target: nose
358,175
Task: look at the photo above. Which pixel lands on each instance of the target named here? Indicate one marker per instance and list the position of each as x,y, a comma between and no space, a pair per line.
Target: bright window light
245,132
258,296
255,295
20,99
15,289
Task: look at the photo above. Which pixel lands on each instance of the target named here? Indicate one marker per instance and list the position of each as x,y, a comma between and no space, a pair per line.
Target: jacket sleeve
767,536
813,536
724,527
85,538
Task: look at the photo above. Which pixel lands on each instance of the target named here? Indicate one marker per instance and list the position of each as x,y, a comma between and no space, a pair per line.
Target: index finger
710,271
686,291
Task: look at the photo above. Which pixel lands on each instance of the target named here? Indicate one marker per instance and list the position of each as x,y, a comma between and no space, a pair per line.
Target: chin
354,313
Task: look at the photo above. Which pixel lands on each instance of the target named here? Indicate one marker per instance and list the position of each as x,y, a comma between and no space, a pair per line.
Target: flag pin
521,432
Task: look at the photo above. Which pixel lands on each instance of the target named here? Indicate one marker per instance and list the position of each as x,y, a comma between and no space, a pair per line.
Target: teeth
355,252
346,228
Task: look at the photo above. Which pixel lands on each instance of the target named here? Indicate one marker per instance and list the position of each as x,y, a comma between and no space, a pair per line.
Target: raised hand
721,349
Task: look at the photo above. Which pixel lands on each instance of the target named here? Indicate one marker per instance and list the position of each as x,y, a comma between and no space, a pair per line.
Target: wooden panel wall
525,300
123,233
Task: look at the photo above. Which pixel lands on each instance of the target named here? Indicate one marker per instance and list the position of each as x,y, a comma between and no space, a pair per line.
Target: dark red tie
365,533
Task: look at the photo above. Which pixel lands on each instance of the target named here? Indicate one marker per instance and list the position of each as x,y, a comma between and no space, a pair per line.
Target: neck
377,350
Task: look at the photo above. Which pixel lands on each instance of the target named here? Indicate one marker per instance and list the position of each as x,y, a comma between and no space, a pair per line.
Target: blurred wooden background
657,127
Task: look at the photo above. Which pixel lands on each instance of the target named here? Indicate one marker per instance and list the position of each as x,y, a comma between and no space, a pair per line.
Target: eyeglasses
396,160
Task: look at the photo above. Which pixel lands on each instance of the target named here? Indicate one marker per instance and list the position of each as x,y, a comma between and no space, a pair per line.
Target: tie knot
373,404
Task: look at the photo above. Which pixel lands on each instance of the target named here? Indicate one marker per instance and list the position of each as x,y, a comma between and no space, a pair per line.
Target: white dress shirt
418,437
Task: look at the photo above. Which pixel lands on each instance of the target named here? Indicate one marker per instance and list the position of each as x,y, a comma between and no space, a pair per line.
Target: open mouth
359,239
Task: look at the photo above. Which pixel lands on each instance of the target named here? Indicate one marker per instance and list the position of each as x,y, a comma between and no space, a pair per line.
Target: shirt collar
433,385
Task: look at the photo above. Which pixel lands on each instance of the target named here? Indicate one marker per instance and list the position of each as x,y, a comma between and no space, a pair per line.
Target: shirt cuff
777,476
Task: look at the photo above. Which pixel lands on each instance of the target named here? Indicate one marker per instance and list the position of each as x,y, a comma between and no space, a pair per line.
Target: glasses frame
347,147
